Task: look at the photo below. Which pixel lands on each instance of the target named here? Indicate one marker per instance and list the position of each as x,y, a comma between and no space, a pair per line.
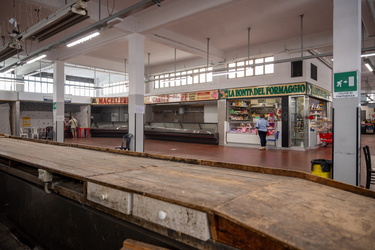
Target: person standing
73,127
261,127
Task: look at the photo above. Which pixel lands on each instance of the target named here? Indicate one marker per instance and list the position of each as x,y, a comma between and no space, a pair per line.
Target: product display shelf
238,113
317,112
298,135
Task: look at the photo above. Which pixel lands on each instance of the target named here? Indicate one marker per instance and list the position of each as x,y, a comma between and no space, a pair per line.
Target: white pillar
58,101
347,90
136,91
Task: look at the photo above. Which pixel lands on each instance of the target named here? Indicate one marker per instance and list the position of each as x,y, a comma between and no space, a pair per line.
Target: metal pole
248,43
301,36
208,51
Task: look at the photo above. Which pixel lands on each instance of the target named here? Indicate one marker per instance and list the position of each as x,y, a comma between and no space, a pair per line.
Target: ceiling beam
174,11
186,44
367,17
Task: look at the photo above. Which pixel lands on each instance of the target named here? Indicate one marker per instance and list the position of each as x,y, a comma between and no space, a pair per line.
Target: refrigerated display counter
183,132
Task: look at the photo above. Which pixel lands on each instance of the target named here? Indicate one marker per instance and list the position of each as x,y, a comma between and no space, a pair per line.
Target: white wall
40,119
27,96
210,113
8,95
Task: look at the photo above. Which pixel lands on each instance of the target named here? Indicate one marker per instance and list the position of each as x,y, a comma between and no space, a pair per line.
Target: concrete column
136,91
17,116
346,104
222,116
58,101
20,87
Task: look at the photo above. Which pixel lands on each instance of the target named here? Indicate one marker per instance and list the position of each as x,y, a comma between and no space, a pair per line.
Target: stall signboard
318,92
183,97
109,100
264,91
345,84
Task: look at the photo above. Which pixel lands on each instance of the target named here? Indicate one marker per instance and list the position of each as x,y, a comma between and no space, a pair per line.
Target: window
7,82
115,88
314,72
36,84
254,67
181,78
296,69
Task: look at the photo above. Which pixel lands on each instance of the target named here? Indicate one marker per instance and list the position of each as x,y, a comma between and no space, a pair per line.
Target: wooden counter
243,208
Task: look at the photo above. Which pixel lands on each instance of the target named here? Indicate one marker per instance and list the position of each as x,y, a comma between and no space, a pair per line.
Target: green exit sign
345,84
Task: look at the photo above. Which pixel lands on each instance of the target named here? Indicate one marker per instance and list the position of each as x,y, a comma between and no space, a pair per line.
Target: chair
370,173
35,133
42,133
128,138
49,133
326,138
23,134
275,139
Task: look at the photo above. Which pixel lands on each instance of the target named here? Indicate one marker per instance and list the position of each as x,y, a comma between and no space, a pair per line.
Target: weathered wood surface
297,212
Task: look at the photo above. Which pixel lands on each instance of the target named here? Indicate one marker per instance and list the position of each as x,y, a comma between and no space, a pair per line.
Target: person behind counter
261,128
73,127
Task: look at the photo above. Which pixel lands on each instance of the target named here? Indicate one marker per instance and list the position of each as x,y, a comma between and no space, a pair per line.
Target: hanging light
83,39
36,59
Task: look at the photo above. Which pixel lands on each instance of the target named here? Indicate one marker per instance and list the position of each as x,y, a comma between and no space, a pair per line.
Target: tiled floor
279,158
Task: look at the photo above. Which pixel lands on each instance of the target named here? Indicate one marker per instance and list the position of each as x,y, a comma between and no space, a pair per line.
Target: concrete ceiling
184,26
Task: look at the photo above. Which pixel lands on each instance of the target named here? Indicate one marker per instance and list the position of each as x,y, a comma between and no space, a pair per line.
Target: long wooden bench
202,202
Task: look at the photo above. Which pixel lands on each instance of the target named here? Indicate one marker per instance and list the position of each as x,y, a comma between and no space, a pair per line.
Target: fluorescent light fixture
369,67
83,39
366,55
8,71
36,59
174,80
13,48
226,73
58,21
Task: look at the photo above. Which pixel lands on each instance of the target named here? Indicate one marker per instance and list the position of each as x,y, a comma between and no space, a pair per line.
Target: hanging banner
109,100
263,91
183,97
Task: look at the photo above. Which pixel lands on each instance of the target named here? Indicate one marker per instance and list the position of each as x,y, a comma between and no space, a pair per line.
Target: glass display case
182,131
298,122
243,115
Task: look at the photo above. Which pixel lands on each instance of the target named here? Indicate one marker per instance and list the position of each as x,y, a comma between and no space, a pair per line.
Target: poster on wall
26,122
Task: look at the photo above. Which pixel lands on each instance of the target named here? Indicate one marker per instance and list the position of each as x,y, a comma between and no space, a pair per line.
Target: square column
58,101
347,91
136,91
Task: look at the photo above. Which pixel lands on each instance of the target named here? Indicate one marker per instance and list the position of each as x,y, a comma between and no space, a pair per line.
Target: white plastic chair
35,133
23,134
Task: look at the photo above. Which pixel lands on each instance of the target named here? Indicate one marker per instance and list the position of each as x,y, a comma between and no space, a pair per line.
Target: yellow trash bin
322,168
